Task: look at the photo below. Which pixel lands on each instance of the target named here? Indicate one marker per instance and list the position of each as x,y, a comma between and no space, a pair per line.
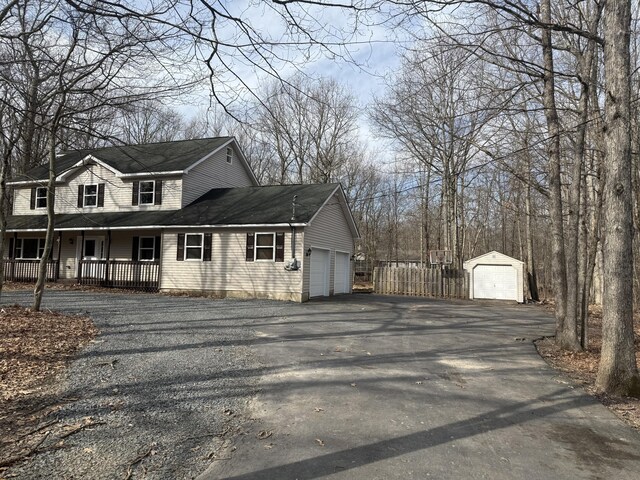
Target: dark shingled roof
151,157
220,206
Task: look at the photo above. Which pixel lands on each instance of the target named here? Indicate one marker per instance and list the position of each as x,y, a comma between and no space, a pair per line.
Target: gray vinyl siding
215,172
228,272
328,230
117,195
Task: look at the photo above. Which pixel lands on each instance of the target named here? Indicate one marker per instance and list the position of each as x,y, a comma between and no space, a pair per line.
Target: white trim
255,247
201,235
84,195
493,253
165,227
26,182
152,174
153,192
84,162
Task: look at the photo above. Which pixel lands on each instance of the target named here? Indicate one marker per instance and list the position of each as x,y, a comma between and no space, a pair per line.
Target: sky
370,54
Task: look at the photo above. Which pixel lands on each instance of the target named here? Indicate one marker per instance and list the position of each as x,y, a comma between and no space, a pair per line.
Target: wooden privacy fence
421,282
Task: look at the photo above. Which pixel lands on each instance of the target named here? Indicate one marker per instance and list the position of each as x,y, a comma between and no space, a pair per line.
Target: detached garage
495,276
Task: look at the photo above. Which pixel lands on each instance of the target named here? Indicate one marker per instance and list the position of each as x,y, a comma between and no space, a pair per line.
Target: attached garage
342,274
319,274
495,276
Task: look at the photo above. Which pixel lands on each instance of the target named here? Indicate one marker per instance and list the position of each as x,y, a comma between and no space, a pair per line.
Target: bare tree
311,127
618,371
436,109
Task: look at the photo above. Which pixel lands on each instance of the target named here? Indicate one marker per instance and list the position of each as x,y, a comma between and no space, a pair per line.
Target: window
90,198
229,154
265,246
29,248
41,197
93,248
147,248
147,190
91,195
193,246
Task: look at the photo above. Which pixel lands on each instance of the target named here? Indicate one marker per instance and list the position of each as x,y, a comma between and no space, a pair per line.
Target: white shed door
319,275
499,282
341,278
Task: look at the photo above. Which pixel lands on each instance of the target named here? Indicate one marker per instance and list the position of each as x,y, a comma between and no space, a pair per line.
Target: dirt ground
583,367
34,349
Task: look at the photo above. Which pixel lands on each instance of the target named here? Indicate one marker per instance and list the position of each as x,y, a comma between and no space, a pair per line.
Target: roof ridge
145,144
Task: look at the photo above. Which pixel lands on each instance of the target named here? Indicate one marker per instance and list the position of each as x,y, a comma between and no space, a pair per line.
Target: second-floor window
147,192
38,198
91,195
229,154
41,197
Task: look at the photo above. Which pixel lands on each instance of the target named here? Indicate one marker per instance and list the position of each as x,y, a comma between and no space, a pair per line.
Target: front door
93,248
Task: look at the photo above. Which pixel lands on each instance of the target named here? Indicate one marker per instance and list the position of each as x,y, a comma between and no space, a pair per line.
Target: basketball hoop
440,257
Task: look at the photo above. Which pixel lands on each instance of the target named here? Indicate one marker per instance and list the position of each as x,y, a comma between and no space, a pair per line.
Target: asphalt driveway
369,387
358,387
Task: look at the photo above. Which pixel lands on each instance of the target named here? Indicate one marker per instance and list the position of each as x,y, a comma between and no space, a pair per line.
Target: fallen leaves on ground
264,434
34,347
583,366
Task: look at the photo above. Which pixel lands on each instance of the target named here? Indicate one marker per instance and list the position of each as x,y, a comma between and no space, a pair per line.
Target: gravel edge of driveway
170,377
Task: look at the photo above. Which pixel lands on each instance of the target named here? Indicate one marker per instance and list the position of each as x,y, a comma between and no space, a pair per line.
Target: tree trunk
4,170
618,371
531,266
566,338
48,243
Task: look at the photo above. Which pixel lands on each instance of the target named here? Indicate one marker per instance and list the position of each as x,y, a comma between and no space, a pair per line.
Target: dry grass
583,367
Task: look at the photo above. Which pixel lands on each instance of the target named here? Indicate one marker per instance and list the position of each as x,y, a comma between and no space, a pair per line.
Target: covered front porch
107,258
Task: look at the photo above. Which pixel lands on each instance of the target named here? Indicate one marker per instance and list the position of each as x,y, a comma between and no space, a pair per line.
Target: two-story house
181,216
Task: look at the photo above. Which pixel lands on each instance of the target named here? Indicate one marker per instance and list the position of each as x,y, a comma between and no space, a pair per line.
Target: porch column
59,250
108,256
13,256
81,257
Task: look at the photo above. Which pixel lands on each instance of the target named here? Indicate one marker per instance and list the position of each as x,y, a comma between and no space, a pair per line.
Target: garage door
499,282
319,275
341,278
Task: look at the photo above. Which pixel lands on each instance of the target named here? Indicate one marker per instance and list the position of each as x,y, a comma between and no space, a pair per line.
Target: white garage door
341,277
319,275
499,282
